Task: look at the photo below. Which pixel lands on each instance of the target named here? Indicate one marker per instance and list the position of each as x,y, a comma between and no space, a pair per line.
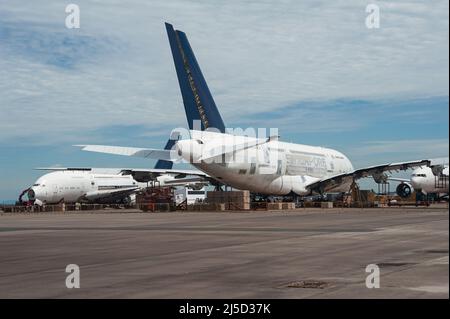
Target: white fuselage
73,186
273,167
423,179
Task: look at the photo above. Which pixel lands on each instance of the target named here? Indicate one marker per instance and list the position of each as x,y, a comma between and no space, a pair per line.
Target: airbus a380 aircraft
72,185
261,165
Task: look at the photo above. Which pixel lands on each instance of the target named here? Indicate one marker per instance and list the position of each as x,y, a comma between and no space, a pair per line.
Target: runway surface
227,255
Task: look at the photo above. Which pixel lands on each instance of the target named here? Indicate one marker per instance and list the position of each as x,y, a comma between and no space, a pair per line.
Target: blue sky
310,68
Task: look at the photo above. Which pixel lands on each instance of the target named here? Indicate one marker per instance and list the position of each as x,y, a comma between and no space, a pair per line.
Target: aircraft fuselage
273,167
423,179
74,186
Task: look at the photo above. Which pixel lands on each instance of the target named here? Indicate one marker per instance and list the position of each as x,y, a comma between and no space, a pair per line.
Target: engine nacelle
404,190
280,185
286,184
298,186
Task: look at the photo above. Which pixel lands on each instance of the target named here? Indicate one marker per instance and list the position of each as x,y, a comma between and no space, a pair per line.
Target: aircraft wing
159,171
377,172
396,179
183,181
145,175
110,193
167,155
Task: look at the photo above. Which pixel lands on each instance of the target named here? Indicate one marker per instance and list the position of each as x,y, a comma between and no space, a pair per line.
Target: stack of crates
205,207
233,200
155,199
288,205
275,206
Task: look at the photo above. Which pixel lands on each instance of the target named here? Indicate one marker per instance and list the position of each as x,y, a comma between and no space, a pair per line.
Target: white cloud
256,56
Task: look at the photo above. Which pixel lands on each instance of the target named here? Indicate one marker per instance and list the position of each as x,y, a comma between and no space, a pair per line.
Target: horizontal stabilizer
219,150
88,169
167,155
162,164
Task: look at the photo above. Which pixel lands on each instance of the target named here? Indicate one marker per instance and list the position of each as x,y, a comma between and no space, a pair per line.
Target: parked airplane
261,165
424,180
76,185
86,185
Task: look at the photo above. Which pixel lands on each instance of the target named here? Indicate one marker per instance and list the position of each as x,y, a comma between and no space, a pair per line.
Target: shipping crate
326,205
274,206
232,200
288,206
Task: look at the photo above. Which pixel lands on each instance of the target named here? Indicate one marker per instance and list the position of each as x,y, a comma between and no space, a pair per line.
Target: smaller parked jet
70,185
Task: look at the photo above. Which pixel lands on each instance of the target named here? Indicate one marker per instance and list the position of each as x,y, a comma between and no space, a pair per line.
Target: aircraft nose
415,182
31,194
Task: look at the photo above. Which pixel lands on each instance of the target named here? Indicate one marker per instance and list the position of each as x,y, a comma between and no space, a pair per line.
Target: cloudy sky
310,68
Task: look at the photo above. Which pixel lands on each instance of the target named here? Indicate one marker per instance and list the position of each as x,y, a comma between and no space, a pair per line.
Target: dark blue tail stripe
198,101
161,164
186,92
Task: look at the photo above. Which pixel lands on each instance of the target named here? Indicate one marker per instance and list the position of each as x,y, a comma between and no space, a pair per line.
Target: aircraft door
281,163
330,164
268,160
253,166
54,192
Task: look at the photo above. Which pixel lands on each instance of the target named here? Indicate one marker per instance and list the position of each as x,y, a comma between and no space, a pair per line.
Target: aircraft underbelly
260,183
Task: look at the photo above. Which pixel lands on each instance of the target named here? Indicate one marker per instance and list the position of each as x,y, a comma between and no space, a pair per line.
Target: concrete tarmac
290,254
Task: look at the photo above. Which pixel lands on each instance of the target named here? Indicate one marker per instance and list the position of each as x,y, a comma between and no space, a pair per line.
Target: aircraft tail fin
162,164
197,99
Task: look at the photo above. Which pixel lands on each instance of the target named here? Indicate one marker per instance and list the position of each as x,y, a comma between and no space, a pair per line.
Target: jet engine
403,190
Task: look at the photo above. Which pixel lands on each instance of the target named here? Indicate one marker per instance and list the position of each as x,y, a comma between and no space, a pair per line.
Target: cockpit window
420,175
36,184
